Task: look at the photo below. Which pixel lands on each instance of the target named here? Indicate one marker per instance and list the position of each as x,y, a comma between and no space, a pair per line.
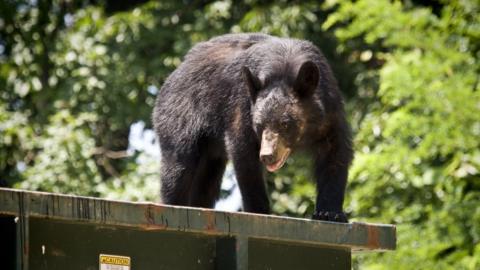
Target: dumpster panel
280,255
66,245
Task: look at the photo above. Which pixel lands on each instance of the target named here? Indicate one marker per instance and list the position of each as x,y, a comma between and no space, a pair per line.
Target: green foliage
66,154
75,75
292,188
418,159
15,141
139,182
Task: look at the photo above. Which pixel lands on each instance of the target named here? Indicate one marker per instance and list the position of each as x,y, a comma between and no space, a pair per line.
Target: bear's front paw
330,216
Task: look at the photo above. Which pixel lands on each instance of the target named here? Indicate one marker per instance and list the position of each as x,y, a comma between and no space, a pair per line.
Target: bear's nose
267,158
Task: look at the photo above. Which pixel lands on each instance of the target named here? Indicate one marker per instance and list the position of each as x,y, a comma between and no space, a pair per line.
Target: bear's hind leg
177,175
208,179
208,174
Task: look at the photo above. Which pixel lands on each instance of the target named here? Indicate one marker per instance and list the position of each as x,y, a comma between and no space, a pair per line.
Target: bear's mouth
273,150
280,162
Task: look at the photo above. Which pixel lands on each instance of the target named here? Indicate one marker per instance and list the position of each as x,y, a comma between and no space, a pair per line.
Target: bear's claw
330,216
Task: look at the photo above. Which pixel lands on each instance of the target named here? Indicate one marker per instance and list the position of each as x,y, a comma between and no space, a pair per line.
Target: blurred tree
70,56
418,154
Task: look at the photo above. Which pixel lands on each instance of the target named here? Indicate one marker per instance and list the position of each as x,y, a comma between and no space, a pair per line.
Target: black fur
214,106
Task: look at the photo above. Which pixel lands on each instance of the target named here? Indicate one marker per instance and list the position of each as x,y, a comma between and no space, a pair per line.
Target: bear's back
209,64
222,49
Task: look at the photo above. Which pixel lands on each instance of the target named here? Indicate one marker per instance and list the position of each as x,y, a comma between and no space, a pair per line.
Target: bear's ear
307,79
253,83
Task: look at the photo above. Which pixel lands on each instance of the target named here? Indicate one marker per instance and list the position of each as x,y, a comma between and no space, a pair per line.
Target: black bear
253,99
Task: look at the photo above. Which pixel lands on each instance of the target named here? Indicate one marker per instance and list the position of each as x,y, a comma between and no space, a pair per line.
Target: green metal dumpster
53,231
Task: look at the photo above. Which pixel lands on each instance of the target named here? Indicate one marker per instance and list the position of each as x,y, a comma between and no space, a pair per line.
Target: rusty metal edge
152,216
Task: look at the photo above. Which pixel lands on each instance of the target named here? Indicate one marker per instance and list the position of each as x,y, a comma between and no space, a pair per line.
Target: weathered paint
150,216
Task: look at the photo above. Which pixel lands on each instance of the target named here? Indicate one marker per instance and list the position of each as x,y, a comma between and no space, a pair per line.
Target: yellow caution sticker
114,262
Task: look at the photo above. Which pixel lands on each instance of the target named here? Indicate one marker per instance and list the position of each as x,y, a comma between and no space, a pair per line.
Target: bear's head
279,96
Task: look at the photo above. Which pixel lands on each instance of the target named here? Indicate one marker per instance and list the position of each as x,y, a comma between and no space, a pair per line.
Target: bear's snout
268,158
273,152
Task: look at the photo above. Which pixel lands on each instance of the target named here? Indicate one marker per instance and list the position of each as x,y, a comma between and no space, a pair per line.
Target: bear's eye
284,124
258,128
